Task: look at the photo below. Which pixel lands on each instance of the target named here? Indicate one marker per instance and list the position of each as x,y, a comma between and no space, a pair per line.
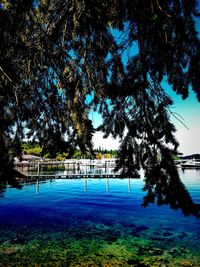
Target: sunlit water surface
95,222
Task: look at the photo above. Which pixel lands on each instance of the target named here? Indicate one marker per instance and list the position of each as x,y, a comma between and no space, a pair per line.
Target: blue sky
188,111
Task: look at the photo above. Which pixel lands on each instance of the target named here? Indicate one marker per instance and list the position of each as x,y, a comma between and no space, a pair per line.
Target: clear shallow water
95,222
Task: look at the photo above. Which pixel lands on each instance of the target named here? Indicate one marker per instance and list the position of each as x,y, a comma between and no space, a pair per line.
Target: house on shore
28,158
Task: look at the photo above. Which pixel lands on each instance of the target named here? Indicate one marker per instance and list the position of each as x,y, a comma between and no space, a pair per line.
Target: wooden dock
77,176
71,170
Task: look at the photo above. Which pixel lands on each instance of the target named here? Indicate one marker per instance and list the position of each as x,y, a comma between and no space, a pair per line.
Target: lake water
95,222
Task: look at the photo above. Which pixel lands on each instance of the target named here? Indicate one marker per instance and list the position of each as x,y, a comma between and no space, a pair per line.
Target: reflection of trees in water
162,181
2,189
164,186
10,179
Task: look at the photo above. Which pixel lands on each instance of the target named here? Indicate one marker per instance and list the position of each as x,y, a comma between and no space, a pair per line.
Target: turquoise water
95,222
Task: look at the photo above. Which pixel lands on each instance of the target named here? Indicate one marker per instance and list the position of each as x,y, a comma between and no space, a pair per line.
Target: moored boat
191,164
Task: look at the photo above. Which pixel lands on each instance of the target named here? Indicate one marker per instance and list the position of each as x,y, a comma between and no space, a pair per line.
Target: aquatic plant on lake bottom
96,245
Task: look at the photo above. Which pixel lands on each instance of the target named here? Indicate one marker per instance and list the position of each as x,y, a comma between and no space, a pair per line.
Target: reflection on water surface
95,222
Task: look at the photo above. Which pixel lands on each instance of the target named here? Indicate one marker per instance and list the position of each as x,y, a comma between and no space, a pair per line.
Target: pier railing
68,169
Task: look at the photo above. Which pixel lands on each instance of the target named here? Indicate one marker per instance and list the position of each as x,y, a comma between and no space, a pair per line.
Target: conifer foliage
61,59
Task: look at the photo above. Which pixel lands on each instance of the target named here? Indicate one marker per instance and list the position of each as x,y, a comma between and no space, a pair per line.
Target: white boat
98,163
191,164
107,162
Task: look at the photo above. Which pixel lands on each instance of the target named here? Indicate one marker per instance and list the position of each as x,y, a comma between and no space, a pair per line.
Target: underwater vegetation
89,244
99,223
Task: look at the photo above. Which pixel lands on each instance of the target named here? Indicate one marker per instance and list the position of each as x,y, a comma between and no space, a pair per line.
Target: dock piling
38,172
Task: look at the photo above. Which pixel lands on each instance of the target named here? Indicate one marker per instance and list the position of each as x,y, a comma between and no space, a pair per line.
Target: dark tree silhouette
61,59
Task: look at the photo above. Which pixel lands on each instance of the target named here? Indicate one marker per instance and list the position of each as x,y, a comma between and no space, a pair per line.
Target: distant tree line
34,148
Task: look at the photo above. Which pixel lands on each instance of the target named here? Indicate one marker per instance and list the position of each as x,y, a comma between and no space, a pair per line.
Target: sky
188,111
